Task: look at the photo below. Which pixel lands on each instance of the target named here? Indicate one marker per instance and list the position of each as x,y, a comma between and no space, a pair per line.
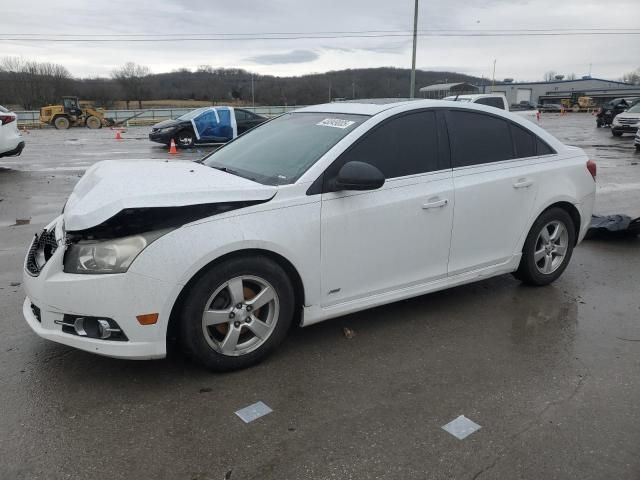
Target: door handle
435,204
523,183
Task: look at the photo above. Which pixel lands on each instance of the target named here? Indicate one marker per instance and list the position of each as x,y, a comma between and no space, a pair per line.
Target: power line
347,32
4,37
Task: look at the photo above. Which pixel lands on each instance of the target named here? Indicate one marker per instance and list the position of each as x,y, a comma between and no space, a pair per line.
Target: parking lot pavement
550,374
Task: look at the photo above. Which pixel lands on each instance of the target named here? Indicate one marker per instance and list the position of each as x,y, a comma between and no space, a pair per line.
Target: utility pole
493,82
413,58
253,94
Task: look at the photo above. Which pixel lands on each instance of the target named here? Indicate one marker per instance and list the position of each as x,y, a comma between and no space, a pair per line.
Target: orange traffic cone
118,136
172,147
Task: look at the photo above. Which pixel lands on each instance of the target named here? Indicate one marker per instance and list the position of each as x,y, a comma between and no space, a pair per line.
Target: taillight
4,119
592,167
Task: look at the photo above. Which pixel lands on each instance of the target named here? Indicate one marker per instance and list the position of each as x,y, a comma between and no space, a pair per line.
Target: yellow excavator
71,113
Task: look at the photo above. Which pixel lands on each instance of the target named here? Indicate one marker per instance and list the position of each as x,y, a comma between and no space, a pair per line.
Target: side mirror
358,176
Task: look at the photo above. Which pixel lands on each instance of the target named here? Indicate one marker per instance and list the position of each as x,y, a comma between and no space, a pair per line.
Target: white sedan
318,213
11,142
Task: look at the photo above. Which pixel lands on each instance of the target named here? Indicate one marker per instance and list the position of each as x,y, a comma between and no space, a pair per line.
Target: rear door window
542,148
524,142
477,138
241,115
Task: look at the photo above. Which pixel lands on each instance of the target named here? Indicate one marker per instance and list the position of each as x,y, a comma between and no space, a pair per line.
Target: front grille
628,121
41,250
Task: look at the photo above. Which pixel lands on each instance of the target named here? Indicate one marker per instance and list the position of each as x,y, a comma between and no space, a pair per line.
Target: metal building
441,90
554,91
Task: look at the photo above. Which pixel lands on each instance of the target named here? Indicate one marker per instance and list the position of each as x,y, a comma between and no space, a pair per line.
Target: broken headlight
107,256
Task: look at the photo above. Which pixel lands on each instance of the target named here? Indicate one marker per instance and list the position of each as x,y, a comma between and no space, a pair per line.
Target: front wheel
638,147
185,139
548,248
616,134
237,313
61,123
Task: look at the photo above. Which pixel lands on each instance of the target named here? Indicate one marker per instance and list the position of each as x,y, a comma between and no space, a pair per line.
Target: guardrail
31,118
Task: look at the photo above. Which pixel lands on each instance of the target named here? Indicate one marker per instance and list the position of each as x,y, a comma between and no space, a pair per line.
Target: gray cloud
294,56
523,58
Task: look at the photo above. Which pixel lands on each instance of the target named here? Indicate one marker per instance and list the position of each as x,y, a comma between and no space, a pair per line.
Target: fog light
92,327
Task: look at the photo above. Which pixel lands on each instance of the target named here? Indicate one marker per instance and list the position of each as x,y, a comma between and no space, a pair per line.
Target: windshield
192,114
280,151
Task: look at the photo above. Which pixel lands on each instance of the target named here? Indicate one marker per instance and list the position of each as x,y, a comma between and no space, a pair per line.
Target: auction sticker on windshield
335,122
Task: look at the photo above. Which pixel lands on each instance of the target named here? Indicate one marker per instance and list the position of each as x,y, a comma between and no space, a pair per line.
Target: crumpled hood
111,186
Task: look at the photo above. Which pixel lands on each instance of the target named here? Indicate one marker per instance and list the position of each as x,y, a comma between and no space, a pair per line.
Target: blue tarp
215,124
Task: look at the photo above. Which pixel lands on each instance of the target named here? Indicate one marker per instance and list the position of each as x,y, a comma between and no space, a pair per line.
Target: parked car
550,107
524,105
11,143
318,213
636,141
496,100
626,122
610,110
205,125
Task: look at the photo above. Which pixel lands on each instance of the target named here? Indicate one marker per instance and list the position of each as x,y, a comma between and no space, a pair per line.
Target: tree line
31,85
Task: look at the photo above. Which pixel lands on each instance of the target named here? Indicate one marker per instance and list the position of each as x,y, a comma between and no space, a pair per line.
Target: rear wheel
548,248
616,134
185,139
61,123
237,313
93,122
638,147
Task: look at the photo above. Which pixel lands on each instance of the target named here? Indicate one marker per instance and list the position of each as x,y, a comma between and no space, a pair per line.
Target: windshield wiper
234,172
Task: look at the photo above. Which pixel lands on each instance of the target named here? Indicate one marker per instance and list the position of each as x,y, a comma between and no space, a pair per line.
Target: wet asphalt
550,374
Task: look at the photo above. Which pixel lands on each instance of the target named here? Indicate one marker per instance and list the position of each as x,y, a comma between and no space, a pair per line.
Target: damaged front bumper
53,296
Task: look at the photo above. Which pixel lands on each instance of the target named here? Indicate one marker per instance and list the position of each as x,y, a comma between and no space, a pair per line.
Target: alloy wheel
551,247
240,315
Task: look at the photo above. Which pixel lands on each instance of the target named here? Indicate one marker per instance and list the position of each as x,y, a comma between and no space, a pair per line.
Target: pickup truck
497,100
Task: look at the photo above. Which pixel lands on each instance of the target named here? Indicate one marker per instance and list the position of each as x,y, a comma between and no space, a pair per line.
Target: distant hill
221,85
208,85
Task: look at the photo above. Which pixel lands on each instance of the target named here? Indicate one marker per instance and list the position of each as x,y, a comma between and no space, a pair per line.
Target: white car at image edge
11,142
318,213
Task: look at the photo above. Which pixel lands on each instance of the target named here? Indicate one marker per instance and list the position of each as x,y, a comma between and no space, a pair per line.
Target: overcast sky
523,58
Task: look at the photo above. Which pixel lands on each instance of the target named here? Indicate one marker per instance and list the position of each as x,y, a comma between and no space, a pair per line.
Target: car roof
368,106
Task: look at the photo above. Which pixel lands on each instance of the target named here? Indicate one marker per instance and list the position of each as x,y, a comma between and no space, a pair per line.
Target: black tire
61,123
616,134
529,270
638,147
199,345
185,139
93,122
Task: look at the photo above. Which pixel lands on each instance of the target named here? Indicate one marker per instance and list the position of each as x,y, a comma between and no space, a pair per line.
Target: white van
496,100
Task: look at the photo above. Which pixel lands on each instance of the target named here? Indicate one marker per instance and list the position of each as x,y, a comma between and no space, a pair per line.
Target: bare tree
133,79
33,84
571,76
549,76
632,77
